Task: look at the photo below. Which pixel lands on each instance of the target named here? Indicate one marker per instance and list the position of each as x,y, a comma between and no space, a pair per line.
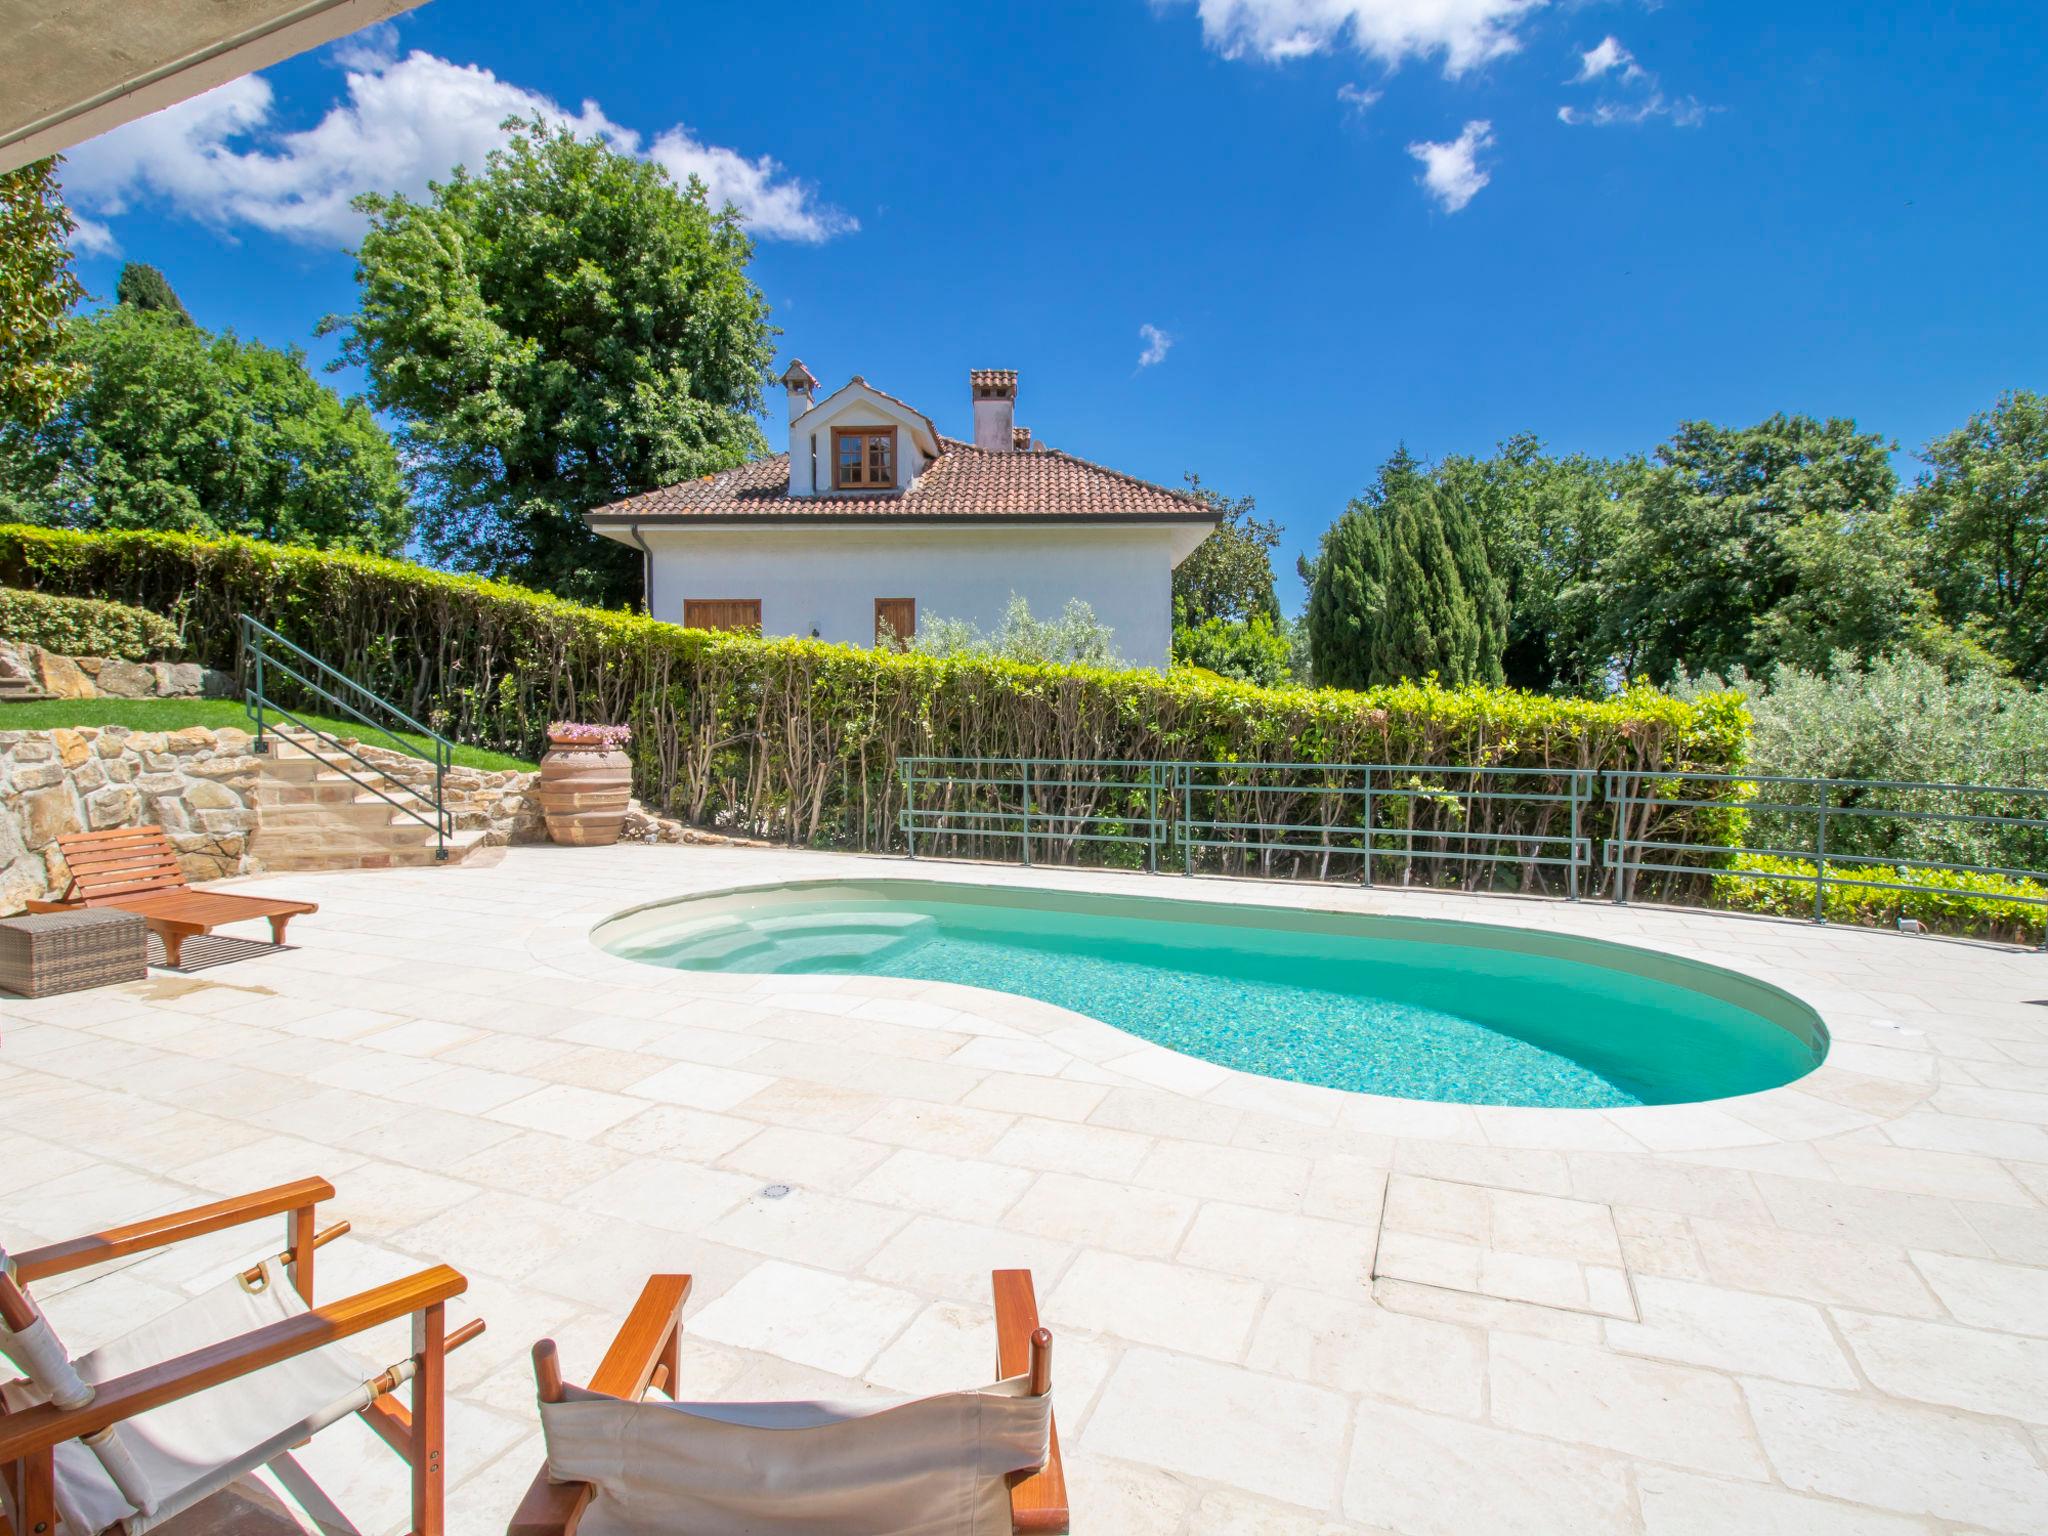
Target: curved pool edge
1833,1099
1765,1000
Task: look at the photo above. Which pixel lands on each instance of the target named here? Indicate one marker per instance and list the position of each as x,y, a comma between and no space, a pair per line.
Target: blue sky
1332,226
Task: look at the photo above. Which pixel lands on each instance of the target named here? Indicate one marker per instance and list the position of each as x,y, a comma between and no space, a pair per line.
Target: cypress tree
141,286
1402,588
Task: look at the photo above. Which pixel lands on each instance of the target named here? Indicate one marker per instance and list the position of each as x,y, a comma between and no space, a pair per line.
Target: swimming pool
1410,1007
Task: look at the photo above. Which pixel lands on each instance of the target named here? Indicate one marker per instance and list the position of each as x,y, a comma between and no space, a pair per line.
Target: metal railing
1567,832
1877,825
1366,822
269,656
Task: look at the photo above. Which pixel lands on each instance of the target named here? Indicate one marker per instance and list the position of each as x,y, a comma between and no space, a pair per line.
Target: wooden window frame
841,483
902,640
695,622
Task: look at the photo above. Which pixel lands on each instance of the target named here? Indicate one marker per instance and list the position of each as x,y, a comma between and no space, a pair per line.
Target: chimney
995,408
798,381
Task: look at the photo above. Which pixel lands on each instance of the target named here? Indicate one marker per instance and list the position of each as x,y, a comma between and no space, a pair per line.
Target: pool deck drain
1842,1284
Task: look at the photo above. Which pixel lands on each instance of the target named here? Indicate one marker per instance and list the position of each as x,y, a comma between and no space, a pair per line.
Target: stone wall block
114,806
88,776
48,814
206,795
32,750
125,680
61,677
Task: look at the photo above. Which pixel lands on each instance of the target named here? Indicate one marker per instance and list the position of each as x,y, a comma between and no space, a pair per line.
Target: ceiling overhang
72,69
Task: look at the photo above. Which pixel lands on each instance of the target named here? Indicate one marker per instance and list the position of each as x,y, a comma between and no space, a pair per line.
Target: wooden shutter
736,613
895,620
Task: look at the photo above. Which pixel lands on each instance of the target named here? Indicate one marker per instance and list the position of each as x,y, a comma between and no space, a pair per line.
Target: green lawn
214,714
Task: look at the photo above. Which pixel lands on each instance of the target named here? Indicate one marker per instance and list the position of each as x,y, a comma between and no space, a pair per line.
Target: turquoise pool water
1414,1008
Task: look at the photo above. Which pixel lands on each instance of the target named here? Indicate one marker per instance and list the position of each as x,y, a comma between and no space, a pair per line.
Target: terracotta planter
583,792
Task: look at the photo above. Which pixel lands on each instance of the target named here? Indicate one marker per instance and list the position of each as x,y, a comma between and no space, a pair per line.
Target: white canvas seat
934,1466
193,1446
142,1429
984,1462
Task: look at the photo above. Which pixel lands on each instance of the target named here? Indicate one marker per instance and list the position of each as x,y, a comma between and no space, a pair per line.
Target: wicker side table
69,951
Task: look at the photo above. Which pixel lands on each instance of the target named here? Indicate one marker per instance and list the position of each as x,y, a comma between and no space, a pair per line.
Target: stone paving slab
1280,1308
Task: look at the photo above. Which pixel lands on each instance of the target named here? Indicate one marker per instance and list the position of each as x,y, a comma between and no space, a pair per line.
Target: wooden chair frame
29,1438
135,869
647,1351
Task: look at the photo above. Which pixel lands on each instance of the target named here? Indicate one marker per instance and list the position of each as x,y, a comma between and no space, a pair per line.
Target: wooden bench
135,869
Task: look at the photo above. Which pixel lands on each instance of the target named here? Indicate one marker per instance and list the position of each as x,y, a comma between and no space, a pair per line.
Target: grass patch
214,714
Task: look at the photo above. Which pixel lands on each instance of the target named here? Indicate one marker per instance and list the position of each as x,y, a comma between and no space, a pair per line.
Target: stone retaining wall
104,677
200,786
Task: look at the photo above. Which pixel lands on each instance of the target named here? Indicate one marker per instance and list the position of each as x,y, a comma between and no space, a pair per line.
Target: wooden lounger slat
135,869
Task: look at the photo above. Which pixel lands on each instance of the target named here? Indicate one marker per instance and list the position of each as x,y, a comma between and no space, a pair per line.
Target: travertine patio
1821,1310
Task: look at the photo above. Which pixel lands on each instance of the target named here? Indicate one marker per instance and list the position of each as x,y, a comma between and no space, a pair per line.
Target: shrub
801,740
1990,906
1075,636
1254,650
82,626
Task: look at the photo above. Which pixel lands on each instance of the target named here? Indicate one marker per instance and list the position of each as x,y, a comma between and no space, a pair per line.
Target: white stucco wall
826,579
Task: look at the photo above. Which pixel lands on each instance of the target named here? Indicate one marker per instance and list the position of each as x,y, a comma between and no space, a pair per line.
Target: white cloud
89,237
1610,58
1450,172
1684,112
220,158
1157,345
1357,99
1466,32
1607,56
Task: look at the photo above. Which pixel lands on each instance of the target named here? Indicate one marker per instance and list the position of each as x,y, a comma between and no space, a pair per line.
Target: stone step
367,812
288,858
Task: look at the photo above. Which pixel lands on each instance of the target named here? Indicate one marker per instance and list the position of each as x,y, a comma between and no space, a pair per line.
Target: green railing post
1621,801
1187,816
1027,813
1820,855
1575,836
1365,875
909,809
1152,817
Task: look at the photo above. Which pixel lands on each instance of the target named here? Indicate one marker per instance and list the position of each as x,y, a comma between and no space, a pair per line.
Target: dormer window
863,459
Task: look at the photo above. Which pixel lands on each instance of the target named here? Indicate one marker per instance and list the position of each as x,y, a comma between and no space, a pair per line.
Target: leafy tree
1255,650
1752,542
1552,529
177,429
1402,587
1230,574
141,286
1982,514
566,328
37,292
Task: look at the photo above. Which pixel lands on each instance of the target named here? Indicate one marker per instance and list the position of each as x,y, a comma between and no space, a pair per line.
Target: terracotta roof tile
962,482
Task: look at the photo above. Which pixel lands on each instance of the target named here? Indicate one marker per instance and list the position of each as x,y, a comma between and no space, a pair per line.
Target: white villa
872,522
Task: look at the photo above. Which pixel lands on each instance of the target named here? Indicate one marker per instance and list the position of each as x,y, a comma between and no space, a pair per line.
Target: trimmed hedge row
1995,906
82,626
799,740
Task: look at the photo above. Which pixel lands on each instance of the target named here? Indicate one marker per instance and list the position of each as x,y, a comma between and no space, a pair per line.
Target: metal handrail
261,644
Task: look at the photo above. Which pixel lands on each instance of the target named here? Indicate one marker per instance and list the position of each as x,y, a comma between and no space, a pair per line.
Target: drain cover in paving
1542,1249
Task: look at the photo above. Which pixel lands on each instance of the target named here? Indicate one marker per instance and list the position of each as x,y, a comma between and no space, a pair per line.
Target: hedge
1991,906
82,626
799,740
